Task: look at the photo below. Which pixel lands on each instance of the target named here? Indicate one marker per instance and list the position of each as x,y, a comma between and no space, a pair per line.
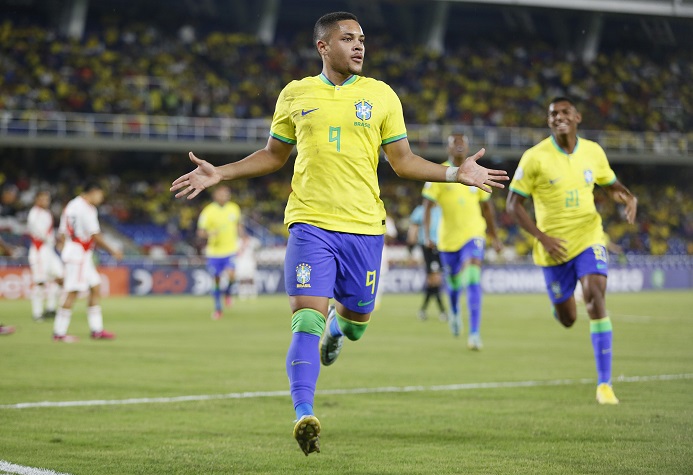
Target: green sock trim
471,274
352,330
308,320
602,325
455,282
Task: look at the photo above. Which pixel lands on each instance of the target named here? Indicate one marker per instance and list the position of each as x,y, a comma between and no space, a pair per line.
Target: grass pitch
168,347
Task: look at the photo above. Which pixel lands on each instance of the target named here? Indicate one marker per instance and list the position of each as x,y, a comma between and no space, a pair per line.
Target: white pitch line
13,468
385,389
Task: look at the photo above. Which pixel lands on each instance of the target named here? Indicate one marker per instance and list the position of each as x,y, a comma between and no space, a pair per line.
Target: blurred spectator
138,69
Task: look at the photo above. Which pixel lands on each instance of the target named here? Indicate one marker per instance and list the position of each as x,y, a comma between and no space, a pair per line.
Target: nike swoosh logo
306,112
297,362
363,304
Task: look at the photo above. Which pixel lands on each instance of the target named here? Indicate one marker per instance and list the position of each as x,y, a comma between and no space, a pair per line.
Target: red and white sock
37,301
95,318
62,321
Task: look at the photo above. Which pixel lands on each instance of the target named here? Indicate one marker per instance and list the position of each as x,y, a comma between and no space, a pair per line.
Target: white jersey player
46,267
246,266
79,225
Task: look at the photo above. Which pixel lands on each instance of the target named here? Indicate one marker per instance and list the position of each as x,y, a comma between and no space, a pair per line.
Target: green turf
169,346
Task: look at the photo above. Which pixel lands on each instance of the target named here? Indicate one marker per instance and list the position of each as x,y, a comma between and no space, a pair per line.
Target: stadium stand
139,69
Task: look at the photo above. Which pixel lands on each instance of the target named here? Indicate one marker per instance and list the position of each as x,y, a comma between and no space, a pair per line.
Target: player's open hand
192,184
555,247
471,173
631,203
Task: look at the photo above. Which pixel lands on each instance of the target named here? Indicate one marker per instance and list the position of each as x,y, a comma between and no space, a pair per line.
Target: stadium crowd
138,69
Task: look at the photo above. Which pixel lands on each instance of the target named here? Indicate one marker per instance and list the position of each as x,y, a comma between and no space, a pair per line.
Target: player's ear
578,117
322,47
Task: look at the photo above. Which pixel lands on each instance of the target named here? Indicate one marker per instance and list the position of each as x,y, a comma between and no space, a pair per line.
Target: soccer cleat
605,394
102,335
307,434
443,317
330,346
6,329
455,323
228,300
216,315
474,342
65,338
39,319
422,315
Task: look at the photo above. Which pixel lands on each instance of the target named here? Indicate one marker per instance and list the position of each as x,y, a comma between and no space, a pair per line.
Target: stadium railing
153,130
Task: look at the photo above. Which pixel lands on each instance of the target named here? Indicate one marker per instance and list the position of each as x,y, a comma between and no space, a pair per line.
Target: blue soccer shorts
330,264
562,279
453,261
217,265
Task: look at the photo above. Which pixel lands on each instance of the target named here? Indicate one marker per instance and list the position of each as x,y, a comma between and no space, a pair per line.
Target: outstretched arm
409,165
620,194
516,207
264,161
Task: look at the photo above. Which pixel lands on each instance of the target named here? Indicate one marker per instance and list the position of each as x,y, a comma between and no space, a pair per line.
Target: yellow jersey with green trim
561,186
338,131
461,219
221,225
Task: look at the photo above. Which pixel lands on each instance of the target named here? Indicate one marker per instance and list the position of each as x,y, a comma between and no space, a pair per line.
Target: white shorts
245,268
80,271
45,264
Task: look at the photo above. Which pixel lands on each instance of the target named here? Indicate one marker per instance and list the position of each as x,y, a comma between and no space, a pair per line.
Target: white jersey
40,227
79,223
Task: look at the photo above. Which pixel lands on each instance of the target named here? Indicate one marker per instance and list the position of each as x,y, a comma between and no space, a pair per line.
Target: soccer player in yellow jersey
559,173
220,224
467,217
338,121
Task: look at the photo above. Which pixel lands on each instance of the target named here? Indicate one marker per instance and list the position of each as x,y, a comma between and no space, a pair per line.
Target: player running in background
559,173
417,236
246,265
6,249
79,227
8,198
46,266
220,224
467,218
338,120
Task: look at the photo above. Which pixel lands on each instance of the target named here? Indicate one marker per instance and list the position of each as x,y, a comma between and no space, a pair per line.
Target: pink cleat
102,335
216,315
65,338
6,329
228,300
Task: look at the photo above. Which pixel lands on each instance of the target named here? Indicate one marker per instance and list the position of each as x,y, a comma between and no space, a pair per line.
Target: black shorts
432,260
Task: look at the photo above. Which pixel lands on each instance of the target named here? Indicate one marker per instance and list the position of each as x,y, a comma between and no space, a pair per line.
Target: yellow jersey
338,131
561,186
461,219
221,224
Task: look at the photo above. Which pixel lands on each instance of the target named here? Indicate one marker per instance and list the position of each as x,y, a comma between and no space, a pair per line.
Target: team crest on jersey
589,178
303,275
363,109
